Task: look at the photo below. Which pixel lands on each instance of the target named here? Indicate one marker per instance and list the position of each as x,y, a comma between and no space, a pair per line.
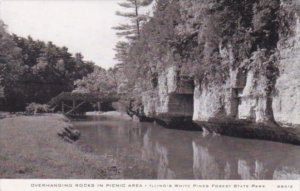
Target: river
149,151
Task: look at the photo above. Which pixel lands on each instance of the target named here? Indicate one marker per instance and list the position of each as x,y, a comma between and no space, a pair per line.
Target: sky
81,25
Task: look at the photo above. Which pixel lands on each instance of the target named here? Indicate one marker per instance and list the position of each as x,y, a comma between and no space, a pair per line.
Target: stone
214,100
149,101
286,101
208,102
169,103
253,100
177,83
286,173
250,103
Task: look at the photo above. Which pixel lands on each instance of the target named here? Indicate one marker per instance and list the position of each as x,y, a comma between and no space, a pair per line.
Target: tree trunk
137,19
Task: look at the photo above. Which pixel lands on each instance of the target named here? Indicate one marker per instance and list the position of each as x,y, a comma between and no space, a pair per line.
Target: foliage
121,49
203,38
11,67
266,23
100,82
34,108
47,71
266,65
131,30
145,56
78,96
288,20
46,62
35,71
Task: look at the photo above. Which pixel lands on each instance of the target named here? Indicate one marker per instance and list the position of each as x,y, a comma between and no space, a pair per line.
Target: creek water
149,151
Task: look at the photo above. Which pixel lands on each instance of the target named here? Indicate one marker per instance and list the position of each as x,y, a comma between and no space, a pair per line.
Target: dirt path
30,148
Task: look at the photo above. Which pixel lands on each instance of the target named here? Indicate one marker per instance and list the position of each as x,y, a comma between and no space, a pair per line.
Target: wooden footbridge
71,103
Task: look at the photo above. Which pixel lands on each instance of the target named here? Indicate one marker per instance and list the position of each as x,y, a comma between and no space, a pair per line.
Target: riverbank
113,115
30,148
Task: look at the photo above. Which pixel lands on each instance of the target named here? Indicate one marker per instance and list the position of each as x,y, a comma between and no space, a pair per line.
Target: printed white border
147,185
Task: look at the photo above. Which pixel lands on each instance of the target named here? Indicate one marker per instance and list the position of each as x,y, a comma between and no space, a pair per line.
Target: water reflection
146,151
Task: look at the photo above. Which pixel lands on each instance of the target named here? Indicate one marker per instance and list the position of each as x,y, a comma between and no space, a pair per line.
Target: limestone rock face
248,94
218,100
235,99
253,100
150,101
286,173
174,97
208,102
178,84
286,102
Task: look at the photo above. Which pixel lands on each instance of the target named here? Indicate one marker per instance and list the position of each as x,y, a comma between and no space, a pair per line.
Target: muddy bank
30,148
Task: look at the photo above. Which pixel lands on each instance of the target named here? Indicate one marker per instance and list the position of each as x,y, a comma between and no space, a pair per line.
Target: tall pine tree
131,30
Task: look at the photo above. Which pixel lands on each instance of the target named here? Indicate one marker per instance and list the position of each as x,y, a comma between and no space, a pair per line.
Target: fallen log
69,134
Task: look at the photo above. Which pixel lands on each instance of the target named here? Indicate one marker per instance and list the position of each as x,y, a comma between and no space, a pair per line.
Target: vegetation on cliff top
204,38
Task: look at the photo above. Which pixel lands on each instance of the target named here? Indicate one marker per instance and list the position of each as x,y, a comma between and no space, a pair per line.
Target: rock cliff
259,98
286,101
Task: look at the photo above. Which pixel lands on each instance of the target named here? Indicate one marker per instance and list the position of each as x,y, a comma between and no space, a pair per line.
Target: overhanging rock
175,94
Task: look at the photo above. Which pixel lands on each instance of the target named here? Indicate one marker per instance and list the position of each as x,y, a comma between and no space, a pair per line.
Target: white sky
83,25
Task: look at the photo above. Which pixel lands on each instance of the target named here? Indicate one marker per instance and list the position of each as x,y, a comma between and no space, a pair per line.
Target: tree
149,52
121,52
132,30
47,70
10,63
98,82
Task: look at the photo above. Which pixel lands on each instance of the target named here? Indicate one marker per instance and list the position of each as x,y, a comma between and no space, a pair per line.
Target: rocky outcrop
286,102
242,106
259,98
243,96
209,102
175,96
212,100
150,101
172,104
253,104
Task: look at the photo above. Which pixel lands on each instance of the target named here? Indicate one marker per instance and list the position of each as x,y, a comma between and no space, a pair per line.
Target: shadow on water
148,151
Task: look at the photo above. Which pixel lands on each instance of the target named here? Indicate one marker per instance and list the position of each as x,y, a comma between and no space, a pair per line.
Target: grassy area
30,148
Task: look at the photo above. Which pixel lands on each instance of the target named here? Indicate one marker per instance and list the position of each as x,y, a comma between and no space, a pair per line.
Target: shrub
34,108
